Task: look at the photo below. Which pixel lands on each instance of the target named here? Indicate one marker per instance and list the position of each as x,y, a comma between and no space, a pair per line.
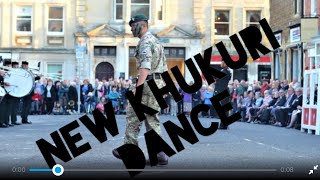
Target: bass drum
2,93
21,82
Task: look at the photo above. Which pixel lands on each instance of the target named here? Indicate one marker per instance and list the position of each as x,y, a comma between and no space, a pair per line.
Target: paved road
245,150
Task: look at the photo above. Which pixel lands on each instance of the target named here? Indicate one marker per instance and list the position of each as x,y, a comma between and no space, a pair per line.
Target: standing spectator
122,96
180,103
89,103
85,89
167,98
57,85
114,97
187,101
63,94
73,94
50,96
196,98
207,95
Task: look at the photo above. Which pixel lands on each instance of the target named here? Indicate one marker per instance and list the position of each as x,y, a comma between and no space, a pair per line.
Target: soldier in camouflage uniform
151,62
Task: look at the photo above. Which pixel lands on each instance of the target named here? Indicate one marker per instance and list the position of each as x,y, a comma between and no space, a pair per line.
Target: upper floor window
105,51
118,9
253,18
222,22
313,8
174,52
24,18
296,7
140,7
55,20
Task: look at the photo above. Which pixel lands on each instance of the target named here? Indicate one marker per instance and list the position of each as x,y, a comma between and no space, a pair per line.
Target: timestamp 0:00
18,169
286,169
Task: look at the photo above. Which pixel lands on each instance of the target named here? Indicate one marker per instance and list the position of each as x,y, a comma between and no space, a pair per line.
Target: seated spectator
100,105
36,102
245,102
58,109
296,114
277,101
280,102
282,113
71,108
256,111
167,98
207,95
187,101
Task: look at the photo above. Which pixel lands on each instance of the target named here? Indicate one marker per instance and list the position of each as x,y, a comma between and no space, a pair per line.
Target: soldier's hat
7,62
25,63
137,18
14,63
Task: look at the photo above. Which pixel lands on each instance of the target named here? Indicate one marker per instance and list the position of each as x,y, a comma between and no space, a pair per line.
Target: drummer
4,107
2,103
25,65
15,64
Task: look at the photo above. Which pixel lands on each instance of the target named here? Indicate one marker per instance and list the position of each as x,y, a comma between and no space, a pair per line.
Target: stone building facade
39,31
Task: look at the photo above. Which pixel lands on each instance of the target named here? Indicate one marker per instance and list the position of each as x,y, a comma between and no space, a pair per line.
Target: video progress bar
172,170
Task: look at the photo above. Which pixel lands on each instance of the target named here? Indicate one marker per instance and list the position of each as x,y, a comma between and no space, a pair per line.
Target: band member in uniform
3,103
13,103
221,85
152,62
27,100
6,101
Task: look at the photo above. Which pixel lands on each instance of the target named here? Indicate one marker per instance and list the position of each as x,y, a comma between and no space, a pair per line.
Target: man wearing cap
27,100
6,101
221,85
151,62
3,103
25,65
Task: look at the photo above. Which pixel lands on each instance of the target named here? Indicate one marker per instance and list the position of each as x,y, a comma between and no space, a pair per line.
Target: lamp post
79,57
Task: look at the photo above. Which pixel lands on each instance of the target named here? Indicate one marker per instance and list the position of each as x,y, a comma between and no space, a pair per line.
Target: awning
262,59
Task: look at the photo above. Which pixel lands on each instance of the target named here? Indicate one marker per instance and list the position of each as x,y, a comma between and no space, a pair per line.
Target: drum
21,82
2,93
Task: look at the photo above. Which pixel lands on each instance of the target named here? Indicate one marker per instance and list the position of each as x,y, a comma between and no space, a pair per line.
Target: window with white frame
118,9
140,7
296,7
24,18
54,71
253,18
55,20
222,22
313,8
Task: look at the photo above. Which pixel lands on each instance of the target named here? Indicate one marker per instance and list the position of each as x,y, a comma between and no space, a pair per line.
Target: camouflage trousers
133,125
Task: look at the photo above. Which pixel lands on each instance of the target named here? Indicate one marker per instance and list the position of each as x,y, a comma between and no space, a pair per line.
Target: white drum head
21,82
